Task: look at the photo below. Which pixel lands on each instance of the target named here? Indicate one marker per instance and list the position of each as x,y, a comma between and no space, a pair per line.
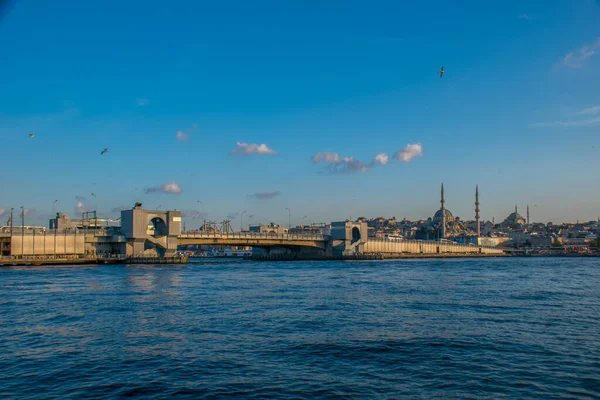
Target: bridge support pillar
150,232
348,237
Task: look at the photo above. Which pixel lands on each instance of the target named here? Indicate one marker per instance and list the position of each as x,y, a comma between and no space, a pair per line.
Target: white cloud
339,164
585,122
324,156
182,136
265,195
524,16
409,152
576,58
352,165
381,159
169,188
246,148
2,211
589,111
141,102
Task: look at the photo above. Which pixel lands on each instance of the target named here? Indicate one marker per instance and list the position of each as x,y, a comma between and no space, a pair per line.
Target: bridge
154,233
253,239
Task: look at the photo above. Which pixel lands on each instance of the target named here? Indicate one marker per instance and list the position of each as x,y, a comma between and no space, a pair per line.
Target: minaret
477,210
443,227
527,214
515,210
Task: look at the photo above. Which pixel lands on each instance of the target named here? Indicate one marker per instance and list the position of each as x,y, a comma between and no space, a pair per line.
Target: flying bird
104,151
441,72
31,135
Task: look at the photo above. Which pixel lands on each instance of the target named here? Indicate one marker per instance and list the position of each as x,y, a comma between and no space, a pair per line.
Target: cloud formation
243,149
408,153
524,16
168,188
336,163
584,122
577,57
589,111
183,137
339,164
141,102
264,195
328,157
381,159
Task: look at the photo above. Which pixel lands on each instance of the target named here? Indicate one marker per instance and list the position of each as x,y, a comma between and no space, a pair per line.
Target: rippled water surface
475,328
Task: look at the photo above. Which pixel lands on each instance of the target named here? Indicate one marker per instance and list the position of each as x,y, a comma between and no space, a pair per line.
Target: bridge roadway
253,239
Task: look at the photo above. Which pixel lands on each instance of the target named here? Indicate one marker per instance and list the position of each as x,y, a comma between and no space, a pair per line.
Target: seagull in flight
441,72
104,151
32,135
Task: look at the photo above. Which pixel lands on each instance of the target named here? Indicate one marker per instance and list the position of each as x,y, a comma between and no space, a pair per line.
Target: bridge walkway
253,239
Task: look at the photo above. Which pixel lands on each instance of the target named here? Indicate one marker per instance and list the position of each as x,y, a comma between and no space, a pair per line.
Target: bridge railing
250,235
416,241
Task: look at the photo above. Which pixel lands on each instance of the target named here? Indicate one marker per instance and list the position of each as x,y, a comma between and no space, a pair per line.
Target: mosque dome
514,218
437,217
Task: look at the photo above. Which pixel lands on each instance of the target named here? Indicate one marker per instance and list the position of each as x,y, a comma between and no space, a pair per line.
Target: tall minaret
443,227
515,210
477,210
527,214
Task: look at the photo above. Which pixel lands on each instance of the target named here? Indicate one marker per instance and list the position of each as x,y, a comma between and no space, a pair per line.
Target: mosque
445,225
515,219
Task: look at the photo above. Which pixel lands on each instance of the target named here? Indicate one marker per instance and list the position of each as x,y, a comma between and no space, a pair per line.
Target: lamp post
242,221
203,217
54,215
289,218
303,220
22,230
95,212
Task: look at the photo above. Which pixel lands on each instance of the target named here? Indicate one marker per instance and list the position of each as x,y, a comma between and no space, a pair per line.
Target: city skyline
333,112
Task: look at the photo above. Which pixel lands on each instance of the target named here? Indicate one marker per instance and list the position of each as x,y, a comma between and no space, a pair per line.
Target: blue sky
517,111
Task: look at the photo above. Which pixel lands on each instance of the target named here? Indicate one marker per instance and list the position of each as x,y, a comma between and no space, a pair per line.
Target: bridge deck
252,239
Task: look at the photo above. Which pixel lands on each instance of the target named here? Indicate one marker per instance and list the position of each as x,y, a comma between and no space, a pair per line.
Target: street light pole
289,218
242,221
203,217
95,212
53,215
303,220
22,230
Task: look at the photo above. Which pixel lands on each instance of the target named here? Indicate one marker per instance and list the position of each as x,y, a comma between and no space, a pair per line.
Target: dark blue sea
472,328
